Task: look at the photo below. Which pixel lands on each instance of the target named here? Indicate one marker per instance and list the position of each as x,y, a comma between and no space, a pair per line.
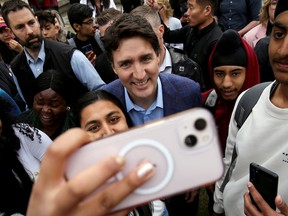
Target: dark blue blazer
179,93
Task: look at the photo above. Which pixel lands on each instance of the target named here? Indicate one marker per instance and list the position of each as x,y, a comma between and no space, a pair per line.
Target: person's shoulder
216,30
255,31
17,59
113,87
211,32
174,20
178,81
174,77
263,42
206,94
25,131
57,44
22,128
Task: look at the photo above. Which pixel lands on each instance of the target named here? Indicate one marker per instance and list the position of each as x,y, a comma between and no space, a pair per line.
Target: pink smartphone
183,147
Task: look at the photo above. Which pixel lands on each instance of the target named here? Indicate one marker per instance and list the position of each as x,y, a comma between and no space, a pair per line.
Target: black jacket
58,57
198,44
8,85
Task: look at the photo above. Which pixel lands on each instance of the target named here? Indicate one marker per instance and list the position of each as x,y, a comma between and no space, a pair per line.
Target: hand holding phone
88,51
184,149
266,183
87,48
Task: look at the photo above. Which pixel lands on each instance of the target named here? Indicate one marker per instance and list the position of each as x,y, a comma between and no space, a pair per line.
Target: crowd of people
118,69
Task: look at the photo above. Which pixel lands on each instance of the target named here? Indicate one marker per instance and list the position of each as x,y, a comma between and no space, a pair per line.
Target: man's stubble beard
34,45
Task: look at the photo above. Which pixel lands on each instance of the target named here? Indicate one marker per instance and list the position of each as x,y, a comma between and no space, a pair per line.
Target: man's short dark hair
129,26
46,16
212,3
13,5
78,12
107,15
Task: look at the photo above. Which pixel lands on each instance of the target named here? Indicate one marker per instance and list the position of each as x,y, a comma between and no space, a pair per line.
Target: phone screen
87,48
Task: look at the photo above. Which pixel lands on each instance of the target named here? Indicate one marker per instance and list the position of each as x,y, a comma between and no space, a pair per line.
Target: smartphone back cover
184,149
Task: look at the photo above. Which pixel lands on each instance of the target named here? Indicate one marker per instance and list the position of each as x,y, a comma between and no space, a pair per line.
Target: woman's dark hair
15,183
93,96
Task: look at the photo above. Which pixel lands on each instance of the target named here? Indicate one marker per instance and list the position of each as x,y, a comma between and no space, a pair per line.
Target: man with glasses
42,54
87,39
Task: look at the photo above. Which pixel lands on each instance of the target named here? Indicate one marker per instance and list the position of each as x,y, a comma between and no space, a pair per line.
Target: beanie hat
2,22
282,6
229,50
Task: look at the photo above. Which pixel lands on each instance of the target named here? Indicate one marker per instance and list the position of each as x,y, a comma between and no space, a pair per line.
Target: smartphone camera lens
200,124
191,140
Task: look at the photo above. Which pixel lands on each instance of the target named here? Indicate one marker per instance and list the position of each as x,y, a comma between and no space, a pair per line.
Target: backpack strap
71,42
211,101
244,108
246,105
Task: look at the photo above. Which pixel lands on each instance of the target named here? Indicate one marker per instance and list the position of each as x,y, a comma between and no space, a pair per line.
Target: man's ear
57,27
76,26
208,10
114,69
161,29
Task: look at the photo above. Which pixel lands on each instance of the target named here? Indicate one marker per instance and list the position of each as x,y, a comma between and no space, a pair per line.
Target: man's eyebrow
280,25
218,70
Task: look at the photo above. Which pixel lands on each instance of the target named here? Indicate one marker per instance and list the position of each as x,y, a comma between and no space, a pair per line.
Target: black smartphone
87,48
266,183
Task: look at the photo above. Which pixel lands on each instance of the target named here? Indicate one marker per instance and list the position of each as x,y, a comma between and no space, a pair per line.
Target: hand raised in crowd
251,210
151,3
14,45
55,195
91,57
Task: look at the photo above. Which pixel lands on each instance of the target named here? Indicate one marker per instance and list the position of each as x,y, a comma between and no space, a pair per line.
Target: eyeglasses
89,22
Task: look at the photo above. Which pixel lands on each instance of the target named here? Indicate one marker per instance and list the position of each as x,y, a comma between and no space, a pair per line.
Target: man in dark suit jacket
145,94
133,48
179,93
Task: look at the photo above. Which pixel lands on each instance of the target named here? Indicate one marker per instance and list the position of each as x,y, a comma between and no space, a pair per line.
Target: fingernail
249,184
119,160
279,199
145,170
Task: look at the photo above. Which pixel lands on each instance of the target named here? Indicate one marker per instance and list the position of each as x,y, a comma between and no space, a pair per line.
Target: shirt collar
206,29
159,99
167,63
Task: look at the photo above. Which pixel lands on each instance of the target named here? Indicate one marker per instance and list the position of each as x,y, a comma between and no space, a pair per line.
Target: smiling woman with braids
21,150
